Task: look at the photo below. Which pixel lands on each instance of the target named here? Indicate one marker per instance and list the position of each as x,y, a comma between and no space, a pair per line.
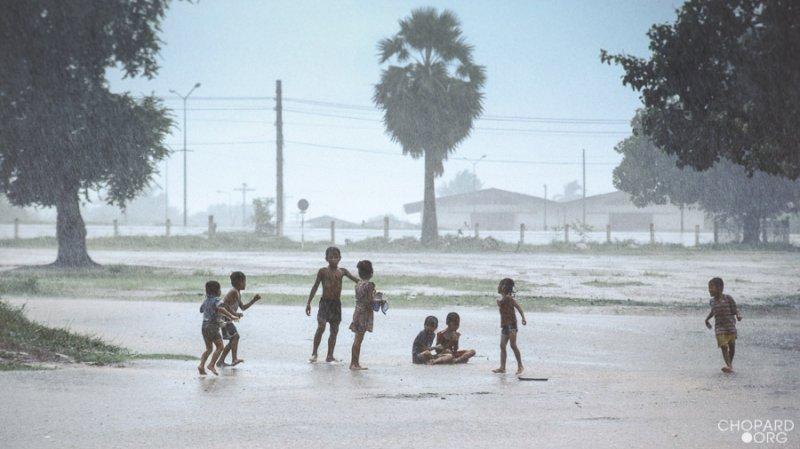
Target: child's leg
355,362
726,357
503,343
464,356
334,331
234,344
204,356
225,351
442,359
215,355
513,339
317,339
731,351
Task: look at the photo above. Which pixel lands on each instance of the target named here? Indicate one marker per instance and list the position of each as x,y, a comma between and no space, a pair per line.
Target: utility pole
279,158
583,189
166,189
474,173
545,207
184,98
244,191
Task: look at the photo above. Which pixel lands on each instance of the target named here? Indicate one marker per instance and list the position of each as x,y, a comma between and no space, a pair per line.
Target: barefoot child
448,340
211,310
725,313
330,304
508,324
363,314
421,350
232,303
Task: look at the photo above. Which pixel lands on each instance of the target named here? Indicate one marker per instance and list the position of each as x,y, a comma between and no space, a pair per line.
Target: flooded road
614,381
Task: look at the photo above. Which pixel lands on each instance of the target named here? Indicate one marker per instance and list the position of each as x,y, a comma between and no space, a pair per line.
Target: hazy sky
541,58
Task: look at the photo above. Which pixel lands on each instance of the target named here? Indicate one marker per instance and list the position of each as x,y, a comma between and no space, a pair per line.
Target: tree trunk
430,227
751,224
71,232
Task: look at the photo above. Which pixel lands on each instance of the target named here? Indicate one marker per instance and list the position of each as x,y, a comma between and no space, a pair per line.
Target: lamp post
474,174
184,98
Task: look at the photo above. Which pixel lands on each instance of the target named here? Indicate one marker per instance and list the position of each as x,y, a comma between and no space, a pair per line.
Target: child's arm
252,301
313,292
224,311
710,314
349,276
521,313
735,310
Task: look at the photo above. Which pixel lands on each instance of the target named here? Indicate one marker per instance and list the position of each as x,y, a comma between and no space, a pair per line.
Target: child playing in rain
447,340
725,313
421,350
363,314
211,310
330,304
508,324
232,303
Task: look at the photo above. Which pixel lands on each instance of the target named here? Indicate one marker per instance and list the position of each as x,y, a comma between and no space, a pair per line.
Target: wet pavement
614,381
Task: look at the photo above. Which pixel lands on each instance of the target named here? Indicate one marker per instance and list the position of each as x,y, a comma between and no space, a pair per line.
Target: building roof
485,196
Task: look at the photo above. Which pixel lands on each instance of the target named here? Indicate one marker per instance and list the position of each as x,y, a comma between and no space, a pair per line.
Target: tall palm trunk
430,227
71,231
751,224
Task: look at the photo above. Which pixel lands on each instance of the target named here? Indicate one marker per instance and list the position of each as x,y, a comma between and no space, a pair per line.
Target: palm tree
431,97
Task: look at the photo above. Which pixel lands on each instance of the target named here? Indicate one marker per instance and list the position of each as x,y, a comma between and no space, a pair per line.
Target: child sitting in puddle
447,340
422,351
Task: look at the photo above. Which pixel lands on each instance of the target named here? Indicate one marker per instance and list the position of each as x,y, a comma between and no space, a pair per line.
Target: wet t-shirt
724,315
209,309
422,343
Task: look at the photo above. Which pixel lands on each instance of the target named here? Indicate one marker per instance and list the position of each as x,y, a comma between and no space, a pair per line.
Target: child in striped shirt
725,313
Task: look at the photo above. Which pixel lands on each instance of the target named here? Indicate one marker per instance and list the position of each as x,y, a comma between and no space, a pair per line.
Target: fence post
16,229
716,232
608,233
764,233
566,233
333,232
652,234
522,233
477,230
167,226
386,227
786,231
696,235
212,228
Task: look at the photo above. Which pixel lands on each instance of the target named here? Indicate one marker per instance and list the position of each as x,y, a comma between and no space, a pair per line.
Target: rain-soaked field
616,379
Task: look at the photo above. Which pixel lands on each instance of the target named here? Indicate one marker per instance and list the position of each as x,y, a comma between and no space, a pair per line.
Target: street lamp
474,175
184,98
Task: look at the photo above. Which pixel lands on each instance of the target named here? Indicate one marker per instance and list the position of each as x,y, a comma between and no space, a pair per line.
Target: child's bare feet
331,359
727,369
520,370
212,369
236,362
222,364
202,371
357,368
499,370
312,359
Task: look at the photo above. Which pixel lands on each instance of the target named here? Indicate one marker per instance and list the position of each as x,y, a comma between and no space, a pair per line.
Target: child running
211,310
232,303
363,314
508,324
447,340
421,350
725,313
330,304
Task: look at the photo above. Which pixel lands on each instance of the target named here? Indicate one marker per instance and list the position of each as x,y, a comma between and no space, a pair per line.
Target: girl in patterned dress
363,314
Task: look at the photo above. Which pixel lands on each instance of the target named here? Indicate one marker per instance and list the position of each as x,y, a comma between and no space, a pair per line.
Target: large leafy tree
63,133
724,80
725,190
430,95
463,182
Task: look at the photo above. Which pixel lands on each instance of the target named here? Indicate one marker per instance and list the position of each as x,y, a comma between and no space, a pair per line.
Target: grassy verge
242,241
25,344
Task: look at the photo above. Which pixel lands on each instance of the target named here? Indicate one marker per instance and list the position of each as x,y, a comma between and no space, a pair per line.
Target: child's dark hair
452,317
431,320
718,282
237,276
212,288
507,286
332,249
364,269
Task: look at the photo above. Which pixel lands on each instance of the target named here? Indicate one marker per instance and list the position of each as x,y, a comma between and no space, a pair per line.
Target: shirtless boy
233,302
330,304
